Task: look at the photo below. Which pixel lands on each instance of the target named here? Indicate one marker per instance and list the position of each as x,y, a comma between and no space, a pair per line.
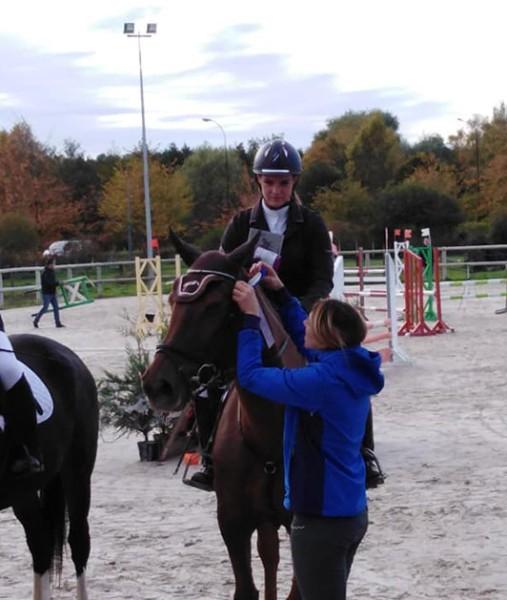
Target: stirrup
202,480
374,474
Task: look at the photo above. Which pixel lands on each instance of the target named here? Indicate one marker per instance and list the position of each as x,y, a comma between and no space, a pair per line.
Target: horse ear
242,255
188,253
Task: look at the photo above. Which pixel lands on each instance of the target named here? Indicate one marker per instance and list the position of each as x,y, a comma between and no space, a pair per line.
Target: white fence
98,273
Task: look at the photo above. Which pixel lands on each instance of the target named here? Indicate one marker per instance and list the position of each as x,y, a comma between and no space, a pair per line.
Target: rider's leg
18,408
206,413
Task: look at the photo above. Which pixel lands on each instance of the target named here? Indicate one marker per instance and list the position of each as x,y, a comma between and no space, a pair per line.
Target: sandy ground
438,526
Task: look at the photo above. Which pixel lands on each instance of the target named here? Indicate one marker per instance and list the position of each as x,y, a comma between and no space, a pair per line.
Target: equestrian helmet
277,158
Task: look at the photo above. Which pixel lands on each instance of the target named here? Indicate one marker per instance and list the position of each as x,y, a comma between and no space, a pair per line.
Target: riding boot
21,423
206,412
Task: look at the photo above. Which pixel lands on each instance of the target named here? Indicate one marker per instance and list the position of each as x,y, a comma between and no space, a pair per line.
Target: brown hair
337,324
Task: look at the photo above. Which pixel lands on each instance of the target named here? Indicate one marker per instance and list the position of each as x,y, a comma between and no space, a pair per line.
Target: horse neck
261,420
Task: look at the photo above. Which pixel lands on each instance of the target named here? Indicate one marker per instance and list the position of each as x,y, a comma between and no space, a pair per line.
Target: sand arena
438,525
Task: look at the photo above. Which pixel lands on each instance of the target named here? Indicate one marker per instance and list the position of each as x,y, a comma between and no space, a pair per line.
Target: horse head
201,340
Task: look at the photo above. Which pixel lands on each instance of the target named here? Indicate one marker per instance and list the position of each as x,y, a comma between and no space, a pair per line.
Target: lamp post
129,31
208,120
477,158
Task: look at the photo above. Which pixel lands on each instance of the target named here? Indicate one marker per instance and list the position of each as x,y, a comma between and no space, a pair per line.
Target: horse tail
52,499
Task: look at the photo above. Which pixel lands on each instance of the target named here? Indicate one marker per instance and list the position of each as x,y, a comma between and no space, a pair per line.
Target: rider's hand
244,296
270,279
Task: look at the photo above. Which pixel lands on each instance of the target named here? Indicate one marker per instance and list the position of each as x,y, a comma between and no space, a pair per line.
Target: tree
413,206
347,209
375,154
18,238
123,197
206,176
29,184
81,177
435,145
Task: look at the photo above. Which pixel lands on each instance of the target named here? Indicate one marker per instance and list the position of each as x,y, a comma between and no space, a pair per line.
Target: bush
18,239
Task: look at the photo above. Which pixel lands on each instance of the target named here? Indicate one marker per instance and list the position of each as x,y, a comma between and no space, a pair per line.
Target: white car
63,248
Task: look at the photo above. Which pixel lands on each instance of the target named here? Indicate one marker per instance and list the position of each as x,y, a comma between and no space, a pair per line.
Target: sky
256,67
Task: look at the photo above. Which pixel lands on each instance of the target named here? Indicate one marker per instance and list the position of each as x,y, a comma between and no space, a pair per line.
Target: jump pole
502,311
150,316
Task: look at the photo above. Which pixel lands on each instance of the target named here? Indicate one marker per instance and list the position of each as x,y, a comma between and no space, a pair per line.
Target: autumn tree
122,203
29,184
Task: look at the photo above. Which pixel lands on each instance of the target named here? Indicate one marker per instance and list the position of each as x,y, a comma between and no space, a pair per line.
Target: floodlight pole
146,176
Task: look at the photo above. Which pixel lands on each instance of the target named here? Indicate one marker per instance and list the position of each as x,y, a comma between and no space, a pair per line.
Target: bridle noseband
207,374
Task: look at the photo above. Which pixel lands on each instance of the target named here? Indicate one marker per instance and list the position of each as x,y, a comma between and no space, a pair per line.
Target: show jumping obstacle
392,351
414,292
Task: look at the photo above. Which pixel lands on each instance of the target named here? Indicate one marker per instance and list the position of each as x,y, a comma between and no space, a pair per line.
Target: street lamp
208,120
477,161
129,31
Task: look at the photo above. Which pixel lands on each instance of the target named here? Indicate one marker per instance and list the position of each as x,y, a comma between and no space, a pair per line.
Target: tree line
359,173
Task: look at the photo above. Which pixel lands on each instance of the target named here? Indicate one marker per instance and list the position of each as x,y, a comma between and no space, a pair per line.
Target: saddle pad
41,393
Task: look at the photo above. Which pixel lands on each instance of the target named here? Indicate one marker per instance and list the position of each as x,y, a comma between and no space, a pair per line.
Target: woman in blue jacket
327,404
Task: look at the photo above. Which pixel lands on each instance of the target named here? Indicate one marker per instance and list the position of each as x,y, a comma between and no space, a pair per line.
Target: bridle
207,374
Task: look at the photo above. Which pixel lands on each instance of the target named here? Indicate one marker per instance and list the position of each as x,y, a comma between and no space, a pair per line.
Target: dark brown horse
247,453
68,440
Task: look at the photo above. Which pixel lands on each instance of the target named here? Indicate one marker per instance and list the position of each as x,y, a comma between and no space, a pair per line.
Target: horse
200,349
68,442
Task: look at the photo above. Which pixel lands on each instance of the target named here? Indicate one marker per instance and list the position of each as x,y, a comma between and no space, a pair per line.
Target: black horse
68,441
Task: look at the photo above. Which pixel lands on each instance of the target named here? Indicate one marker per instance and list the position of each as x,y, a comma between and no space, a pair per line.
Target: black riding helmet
277,158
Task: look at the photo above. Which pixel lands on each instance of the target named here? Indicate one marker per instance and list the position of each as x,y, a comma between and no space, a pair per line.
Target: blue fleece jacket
327,404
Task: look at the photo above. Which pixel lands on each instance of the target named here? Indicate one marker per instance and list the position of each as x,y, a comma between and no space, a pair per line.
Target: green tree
411,205
375,154
18,238
81,177
208,177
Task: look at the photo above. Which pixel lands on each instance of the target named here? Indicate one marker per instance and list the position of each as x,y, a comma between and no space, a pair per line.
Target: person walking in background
49,284
326,408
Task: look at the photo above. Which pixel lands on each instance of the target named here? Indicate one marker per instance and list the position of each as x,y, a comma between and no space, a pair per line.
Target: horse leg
237,536
268,545
77,494
29,513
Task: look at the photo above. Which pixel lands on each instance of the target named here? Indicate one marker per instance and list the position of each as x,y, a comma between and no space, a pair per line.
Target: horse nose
159,391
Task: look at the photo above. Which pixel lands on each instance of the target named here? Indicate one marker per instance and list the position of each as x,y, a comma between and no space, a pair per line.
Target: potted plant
124,406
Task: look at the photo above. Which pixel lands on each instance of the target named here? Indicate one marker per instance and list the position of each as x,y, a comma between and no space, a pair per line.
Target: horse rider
293,238
18,407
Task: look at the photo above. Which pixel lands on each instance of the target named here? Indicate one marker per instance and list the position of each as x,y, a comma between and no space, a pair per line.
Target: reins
208,375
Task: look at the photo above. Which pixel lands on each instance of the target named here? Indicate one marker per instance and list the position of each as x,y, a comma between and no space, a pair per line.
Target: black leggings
323,549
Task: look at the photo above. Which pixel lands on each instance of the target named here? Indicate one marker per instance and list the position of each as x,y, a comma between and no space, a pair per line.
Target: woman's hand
270,278
244,296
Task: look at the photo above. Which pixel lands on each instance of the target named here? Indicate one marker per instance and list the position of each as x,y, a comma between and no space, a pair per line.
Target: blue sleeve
293,387
293,316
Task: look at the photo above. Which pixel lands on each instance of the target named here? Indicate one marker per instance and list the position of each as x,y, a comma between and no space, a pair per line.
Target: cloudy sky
257,67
